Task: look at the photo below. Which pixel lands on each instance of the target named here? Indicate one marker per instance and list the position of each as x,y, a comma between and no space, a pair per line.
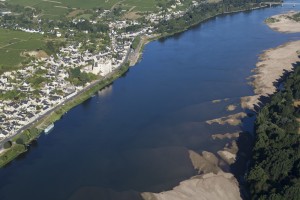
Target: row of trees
24,138
205,11
12,95
275,170
193,16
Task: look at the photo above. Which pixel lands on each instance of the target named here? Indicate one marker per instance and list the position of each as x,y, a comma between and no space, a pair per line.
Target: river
134,135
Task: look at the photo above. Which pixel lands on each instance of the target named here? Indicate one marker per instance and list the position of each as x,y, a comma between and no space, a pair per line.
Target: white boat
49,128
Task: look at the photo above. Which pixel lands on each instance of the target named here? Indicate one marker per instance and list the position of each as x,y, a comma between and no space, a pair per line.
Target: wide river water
134,135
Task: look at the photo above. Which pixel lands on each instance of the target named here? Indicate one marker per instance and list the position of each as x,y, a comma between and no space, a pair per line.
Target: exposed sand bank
274,62
232,120
229,153
272,65
205,163
226,136
205,187
231,107
213,183
284,23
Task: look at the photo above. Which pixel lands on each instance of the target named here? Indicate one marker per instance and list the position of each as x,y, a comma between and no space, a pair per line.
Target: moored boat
49,128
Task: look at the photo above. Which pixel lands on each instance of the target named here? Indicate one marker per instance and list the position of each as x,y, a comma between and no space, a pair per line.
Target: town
39,87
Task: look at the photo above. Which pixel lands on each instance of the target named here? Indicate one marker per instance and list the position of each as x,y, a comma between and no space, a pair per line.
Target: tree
20,141
7,145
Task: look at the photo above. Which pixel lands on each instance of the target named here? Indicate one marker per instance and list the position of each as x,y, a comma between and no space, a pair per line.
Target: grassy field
55,8
13,43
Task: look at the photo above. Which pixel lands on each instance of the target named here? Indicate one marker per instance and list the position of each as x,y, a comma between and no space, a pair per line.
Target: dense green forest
199,13
275,168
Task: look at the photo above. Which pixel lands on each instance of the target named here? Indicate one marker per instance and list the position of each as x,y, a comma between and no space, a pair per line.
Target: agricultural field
56,8
12,46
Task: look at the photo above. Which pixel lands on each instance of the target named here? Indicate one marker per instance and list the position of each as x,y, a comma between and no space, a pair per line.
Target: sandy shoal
284,24
272,65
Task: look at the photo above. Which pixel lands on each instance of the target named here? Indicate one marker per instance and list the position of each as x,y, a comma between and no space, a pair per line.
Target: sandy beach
284,23
213,183
205,187
273,63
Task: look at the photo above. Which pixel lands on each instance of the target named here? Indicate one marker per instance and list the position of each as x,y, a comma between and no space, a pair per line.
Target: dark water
134,135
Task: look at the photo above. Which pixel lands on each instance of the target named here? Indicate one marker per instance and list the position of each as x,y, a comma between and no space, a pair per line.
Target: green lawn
13,43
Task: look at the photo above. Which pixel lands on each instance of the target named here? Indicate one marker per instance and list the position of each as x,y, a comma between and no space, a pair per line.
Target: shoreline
273,63
284,23
59,110
284,61
166,35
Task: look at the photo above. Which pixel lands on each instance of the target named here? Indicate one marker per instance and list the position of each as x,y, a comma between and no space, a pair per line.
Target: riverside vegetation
203,12
275,169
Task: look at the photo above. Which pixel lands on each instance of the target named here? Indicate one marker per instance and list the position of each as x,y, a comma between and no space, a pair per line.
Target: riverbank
207,17
11,153
285,23
211,183
273,63
208,186
8,155
275,155
271,67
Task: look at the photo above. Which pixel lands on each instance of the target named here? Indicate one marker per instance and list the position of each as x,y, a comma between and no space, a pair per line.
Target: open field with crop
62,7
13,44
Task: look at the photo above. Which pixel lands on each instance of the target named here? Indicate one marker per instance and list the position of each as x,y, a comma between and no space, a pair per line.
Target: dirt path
53,1
64,7
133,59
133,7
7,45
